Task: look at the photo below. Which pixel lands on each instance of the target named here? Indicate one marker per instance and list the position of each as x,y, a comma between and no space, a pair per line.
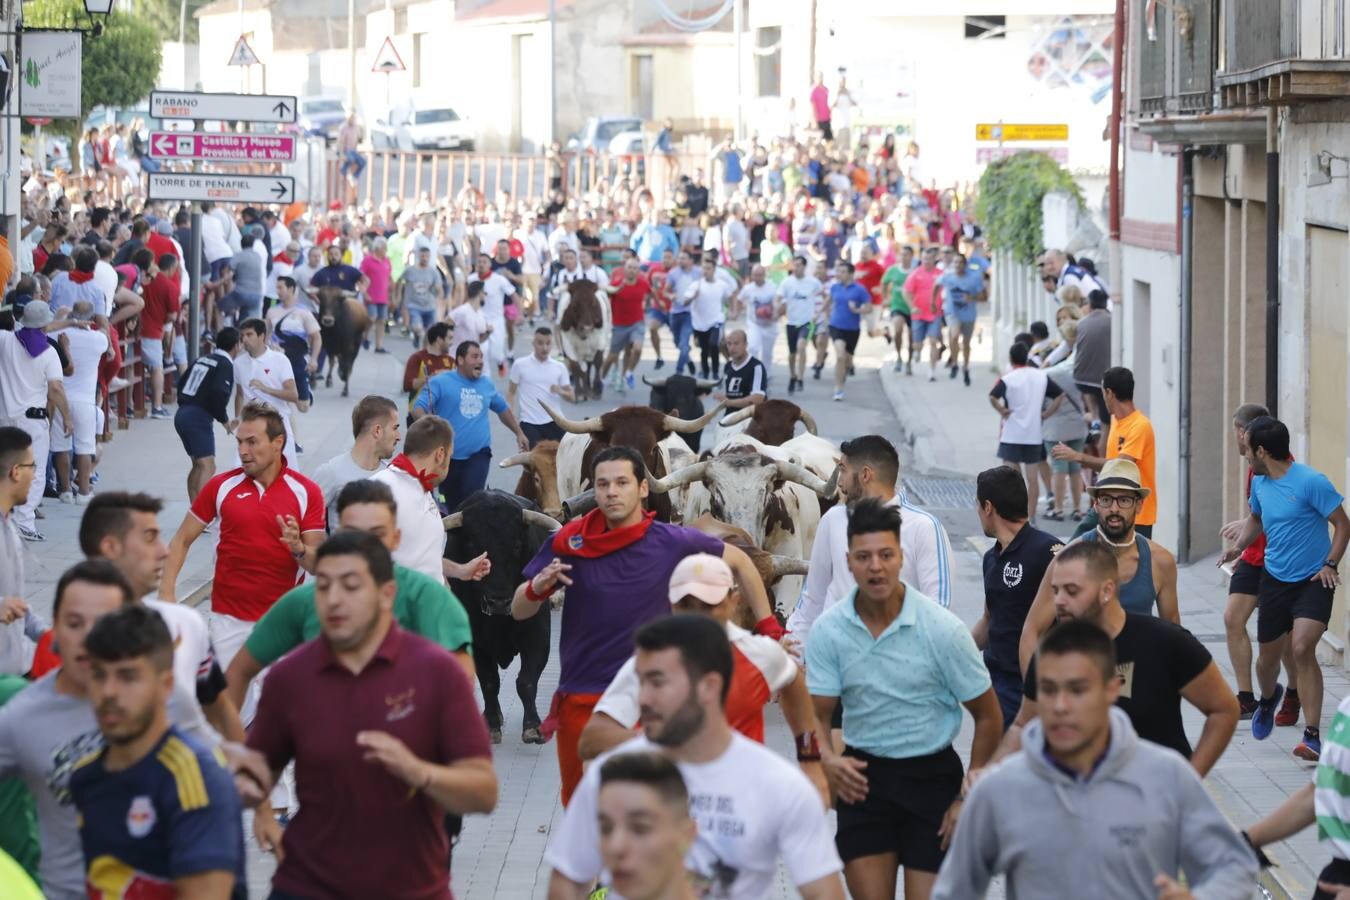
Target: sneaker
838,395
1289,709
159,412
33,537
932,378
691,368
381,350
792,385
660,364
83,499
1246,705
899,367
1263,719
909,368
851,372
67,497
417,341
967,376
117,383
815,372
952,370
365,345
631,380
1310,748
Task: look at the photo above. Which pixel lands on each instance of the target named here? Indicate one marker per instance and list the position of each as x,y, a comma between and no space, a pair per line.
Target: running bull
343,322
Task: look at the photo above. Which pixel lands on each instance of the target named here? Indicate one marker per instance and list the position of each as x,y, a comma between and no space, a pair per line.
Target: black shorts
1246,579
848,335
906,800
1336,872
796,333
549,431
1279,603
1021,453
197,430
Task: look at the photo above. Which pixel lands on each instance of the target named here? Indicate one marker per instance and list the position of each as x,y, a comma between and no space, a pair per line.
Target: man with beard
1147,570
156,807
616,561
751,806
870,468
898,779
382,833
1159,663
1085,755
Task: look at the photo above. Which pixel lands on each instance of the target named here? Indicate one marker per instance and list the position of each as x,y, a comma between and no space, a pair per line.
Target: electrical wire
688,25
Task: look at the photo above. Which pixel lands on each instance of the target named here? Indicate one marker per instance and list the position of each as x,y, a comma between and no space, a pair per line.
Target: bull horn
803,476
707,384
686,426
531,517
789,565
808,420
518,459
586,426
832,486
737,417
454,520
654,382
678,478
579,505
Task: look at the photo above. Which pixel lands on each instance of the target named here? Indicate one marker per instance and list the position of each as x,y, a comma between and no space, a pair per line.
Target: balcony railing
1177,56
1283,52
1257,32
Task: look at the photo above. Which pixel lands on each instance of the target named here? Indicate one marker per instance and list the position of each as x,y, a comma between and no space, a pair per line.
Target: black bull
679,395
495,522
342,323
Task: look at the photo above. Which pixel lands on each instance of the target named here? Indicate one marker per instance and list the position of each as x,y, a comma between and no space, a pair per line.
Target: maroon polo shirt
361,832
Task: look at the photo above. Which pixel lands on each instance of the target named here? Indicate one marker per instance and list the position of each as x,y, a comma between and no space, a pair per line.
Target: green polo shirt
902,691
421,605
893,283
18,819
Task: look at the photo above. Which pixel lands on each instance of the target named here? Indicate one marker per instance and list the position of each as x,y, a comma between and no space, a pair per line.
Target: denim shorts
152,353
378,311
421,319
625,335
1064,465
920,330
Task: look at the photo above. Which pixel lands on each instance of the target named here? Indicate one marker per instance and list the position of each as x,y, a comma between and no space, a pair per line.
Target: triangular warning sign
388,60
243,54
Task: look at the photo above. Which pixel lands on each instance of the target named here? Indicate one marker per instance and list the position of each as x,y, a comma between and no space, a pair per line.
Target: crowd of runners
329,685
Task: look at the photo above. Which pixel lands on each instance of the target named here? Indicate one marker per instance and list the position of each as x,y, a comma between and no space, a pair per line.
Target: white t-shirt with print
533,379
752,808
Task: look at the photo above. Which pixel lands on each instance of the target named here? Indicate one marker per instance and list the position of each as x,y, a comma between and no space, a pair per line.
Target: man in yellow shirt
1131,437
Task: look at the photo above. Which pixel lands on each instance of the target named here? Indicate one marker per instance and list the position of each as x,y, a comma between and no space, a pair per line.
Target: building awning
1206,128
1285,82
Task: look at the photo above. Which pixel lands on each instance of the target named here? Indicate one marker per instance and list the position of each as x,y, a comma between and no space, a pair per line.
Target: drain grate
1210,638
940,493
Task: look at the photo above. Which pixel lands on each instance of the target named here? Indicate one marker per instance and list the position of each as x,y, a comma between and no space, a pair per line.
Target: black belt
35,412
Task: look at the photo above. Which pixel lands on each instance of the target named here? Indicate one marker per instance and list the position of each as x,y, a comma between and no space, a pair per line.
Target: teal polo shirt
902,692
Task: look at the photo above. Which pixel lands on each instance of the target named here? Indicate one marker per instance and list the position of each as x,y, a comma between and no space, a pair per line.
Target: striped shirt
927,562
1331,801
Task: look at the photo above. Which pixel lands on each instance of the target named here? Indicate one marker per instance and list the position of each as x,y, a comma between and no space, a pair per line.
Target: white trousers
39,430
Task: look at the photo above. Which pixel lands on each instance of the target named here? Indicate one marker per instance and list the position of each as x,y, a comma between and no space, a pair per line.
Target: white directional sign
222,188
222,147
222,107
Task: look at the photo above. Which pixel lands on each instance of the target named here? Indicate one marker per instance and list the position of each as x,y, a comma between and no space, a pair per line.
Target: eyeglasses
1120,501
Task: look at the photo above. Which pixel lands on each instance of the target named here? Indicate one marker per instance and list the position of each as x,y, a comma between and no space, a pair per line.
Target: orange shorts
570,712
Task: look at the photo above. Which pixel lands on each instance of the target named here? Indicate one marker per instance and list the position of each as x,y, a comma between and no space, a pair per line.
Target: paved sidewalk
951,431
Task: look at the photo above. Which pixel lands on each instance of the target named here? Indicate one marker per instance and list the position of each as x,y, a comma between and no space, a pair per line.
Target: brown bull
583,337
342,322
772,421
771,566
539,476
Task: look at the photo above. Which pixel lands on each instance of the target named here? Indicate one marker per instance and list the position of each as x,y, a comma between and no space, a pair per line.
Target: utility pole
738,26
552,70
351,53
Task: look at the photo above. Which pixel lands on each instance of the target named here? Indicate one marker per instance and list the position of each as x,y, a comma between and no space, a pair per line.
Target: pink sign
222,147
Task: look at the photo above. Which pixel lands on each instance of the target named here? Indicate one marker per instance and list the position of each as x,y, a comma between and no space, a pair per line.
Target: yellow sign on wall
1004,132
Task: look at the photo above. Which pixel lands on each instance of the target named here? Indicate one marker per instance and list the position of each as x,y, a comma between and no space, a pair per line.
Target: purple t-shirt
612,596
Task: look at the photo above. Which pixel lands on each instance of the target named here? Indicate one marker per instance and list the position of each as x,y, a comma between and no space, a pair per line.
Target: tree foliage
164,16
1009,205
120,67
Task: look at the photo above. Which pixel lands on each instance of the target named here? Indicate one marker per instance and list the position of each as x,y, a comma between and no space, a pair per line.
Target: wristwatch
1331,564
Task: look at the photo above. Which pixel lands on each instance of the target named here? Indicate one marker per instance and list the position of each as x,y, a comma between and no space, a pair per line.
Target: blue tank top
1138,595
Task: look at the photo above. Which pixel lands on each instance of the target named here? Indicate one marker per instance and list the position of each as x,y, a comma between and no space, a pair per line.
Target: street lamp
100,8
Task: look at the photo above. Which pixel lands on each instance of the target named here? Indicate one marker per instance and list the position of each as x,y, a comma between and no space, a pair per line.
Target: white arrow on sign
224,147
222,188
274,108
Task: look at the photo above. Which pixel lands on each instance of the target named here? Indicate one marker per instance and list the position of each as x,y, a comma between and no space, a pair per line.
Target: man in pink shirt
377,267
925,304
820,107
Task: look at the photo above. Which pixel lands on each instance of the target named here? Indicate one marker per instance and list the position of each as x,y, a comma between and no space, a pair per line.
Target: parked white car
413,126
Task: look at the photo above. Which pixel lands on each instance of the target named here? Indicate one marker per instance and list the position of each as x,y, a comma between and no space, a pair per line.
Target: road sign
274,108
387,60
222,147
222,188
243,54
1003,132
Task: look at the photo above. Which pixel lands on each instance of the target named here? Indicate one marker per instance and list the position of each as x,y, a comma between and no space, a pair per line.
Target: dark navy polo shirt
1012,576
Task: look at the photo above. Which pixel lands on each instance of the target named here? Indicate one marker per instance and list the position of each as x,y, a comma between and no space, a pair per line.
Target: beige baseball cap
702,575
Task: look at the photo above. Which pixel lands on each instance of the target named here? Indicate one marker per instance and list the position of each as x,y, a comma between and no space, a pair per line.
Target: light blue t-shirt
678,281
841,295
1293,512
902,692
465,404
957,291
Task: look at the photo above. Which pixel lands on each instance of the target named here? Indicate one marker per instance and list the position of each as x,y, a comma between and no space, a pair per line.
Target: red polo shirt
362,832
253,566
627,302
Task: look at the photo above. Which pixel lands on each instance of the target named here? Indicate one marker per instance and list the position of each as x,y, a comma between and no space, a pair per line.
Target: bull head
740,415
528,516
789,471
596,425
703,384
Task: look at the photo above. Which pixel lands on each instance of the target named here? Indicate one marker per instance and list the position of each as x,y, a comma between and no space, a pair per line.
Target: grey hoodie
1142,813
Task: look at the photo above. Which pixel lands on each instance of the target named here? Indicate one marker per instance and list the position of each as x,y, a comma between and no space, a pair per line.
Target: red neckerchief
589,536
78,277
403,464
